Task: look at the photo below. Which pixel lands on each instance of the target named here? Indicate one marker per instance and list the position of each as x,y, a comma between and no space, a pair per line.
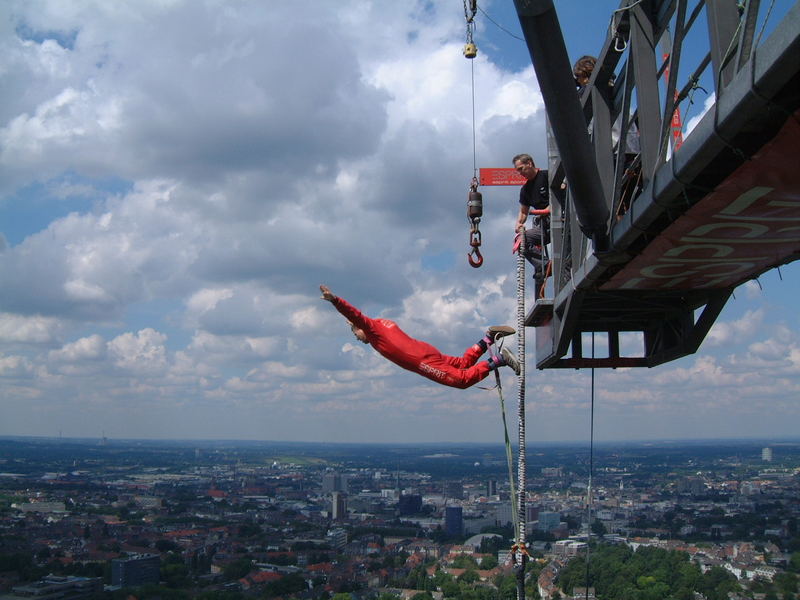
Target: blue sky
176,180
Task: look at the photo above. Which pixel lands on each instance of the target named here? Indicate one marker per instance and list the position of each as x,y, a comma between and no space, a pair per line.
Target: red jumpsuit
420,357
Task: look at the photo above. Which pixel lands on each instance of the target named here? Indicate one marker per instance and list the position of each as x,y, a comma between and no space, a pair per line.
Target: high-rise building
338,506
334,482
453,520
454,489
135,570
491,487
766,454
503,514
548,520
337,538
532,512
409,504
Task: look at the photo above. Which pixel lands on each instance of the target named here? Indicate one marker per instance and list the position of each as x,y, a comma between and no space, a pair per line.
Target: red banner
501,176
749,223
677,124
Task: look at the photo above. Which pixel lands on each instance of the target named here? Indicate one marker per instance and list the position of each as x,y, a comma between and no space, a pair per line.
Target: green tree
506,587
717,583
794,562
289,584
237,569
468,576
248,530
450,589
164,545
175,575
219,595
598,528
786,583
464,561
151,592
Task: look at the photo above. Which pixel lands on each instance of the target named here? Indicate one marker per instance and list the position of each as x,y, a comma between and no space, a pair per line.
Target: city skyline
177,179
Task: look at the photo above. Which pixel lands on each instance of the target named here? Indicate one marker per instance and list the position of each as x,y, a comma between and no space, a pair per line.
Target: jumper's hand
326,293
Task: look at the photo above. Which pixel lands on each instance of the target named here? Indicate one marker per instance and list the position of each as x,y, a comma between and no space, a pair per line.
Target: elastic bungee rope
521,546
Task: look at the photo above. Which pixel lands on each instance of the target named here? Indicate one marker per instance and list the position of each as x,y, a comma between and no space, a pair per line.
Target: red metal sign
501,176
749,223
677,123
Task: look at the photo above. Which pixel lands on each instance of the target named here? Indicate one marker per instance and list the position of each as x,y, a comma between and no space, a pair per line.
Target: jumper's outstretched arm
326,293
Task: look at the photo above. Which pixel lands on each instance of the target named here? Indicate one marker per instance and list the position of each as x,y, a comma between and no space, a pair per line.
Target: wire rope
589,490
474,142
500,27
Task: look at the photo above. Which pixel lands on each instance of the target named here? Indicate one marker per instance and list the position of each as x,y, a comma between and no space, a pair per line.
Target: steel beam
545,41
723,19
643,57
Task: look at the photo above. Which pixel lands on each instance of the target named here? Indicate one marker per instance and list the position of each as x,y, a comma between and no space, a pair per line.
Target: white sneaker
510,360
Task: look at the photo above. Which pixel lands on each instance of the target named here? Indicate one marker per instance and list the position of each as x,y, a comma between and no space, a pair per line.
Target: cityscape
125,519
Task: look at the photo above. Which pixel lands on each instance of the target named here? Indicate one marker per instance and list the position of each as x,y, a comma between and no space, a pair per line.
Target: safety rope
509,457
589,488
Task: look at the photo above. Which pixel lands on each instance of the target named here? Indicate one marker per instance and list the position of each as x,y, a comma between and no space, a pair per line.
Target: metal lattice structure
655,241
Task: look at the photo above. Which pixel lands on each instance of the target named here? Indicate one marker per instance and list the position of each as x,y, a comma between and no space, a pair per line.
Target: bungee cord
521,545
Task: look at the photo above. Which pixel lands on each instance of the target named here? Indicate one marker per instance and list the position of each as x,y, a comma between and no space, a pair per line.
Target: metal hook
478,260
617,38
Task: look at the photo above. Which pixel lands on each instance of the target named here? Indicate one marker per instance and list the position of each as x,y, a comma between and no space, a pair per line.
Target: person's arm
347,310
522,217
326,293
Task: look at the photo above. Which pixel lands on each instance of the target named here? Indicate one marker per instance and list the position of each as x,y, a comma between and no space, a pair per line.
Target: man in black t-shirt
534,198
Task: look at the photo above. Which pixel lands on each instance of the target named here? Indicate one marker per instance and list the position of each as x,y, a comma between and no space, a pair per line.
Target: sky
177,177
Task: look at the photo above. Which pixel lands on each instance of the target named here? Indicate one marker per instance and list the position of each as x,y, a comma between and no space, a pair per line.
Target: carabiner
478,260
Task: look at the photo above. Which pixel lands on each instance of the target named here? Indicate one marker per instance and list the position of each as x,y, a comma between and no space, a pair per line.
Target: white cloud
143,352
696,117
740,330
90,348
15,366
34,329
199,168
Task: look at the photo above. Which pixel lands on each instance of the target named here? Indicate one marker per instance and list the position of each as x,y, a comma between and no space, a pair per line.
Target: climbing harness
474,214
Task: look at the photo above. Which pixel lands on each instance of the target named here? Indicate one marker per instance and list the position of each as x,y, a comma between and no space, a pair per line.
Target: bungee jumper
393,343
